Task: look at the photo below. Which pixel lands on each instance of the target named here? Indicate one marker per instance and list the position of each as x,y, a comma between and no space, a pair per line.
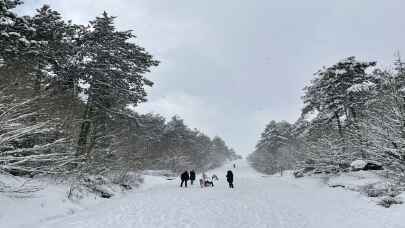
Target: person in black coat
184,178
192,176
229,178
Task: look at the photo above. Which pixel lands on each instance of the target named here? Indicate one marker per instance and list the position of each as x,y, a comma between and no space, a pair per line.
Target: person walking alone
229,178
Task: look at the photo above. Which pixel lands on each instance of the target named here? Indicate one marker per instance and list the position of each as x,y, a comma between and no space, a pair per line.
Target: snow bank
43,199
356,180
358,164
17,209
50,201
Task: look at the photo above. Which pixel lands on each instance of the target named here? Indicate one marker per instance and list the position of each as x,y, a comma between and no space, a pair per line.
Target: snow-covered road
256,201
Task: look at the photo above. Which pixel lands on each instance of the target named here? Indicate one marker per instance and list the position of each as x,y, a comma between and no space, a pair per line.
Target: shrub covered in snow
105,187
388,201
298,174
29,144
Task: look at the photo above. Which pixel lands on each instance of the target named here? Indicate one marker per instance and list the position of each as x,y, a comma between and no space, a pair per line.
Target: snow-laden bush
388,201
98,185
298,174
127,180
29,144
104,186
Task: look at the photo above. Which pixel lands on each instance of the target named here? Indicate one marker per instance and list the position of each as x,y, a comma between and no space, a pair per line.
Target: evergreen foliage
351,111
67,100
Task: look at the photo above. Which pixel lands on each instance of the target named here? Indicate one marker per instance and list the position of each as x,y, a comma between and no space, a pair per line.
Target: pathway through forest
256,201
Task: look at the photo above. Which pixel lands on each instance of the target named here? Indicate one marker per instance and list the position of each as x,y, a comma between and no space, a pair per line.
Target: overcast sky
229,67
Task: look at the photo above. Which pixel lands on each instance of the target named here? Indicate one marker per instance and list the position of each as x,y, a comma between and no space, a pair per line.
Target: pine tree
48,46
113,68
276,149
13,42
330,93
334,94
10,34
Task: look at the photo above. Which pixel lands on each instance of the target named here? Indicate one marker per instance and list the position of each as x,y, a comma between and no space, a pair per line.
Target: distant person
201,183
229,178
234,165
184,178
192,177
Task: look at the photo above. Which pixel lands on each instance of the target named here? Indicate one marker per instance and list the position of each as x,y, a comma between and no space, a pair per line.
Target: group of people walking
185,177
204,181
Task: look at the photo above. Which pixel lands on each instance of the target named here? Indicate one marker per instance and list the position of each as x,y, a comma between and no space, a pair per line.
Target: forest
68,98
353,110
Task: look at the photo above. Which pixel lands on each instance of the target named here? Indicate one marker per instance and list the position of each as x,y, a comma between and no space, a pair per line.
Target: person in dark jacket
229,178
192,176
184,178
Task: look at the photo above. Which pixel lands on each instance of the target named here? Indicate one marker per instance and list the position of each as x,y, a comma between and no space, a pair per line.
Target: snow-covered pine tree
10,34
113,69
219,152
177,143
276,149
48,46
337,95
26,53
385,123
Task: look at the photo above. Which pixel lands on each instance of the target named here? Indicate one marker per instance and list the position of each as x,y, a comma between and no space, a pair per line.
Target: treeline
67,94
352,110
171,145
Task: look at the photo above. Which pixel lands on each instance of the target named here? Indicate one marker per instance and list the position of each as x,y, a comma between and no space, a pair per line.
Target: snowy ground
256,201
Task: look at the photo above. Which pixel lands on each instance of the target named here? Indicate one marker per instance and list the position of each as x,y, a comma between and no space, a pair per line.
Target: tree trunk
339,125
85,131
340,130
